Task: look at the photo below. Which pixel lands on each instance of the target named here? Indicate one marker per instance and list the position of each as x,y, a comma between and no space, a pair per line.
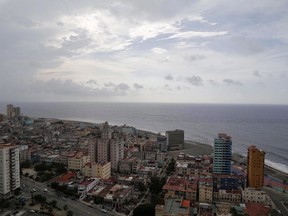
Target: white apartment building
9,170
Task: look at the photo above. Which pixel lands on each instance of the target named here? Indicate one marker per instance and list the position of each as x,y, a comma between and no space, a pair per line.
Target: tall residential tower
255,167
175,139
9,170
222,154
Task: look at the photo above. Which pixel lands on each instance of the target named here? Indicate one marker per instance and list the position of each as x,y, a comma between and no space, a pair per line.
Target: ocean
265,126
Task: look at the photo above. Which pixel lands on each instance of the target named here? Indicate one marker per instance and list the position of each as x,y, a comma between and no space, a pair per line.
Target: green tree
39,198
60,168
65,207
25,164
171,166
144,210
50,209
42,167
98,199
54,185
17,191
53,203
69,213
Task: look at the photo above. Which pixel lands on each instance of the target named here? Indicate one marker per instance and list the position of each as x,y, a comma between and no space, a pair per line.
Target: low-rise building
253,195
255,209
205,192
99,170
77,161
129,165
177,187
232,196
87,185
173,207
228,182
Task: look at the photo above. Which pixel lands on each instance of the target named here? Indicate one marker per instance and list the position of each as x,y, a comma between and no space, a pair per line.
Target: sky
171,51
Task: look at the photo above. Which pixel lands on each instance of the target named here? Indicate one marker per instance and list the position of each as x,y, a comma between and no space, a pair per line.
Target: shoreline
190,146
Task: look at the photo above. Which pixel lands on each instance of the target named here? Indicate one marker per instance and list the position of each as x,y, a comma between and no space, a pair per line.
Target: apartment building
222,154
77,161
255,167
175,139
9,170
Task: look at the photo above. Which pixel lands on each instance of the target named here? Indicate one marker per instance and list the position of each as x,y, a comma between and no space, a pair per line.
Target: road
78,208
278,198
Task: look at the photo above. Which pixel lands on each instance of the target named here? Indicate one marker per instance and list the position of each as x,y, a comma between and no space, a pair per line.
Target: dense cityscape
60,167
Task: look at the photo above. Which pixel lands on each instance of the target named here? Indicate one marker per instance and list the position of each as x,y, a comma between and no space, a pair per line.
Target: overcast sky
187,51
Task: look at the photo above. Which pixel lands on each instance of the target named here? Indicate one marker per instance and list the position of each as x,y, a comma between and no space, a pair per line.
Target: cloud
122,87
194,80
158,50
92,82
191,58
256,73
72,88
137,86
232,82
148,30
193,34
113,48
212,82
169,77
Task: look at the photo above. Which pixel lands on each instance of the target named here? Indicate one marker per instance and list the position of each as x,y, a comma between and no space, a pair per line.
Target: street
278,198
78,208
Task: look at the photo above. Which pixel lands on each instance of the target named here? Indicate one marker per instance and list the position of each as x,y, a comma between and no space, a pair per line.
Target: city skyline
144,51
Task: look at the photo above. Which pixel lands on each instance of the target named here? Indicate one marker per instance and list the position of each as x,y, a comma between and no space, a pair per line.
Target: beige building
129,165
232,196
116,152
102,150
13,111
99,170
9,170
77,161
253,195
205,193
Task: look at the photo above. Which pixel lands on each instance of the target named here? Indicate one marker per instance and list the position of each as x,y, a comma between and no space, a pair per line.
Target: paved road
78,208
278,198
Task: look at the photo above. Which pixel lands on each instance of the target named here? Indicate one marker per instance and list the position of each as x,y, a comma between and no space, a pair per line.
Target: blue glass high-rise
222,154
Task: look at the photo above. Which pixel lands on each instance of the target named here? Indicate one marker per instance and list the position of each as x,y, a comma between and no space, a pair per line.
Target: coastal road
278,198
78,208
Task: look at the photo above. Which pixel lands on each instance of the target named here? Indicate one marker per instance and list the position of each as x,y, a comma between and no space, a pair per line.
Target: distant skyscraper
106,132
255,167
175,139
222,154
9,170
10,111
13,112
